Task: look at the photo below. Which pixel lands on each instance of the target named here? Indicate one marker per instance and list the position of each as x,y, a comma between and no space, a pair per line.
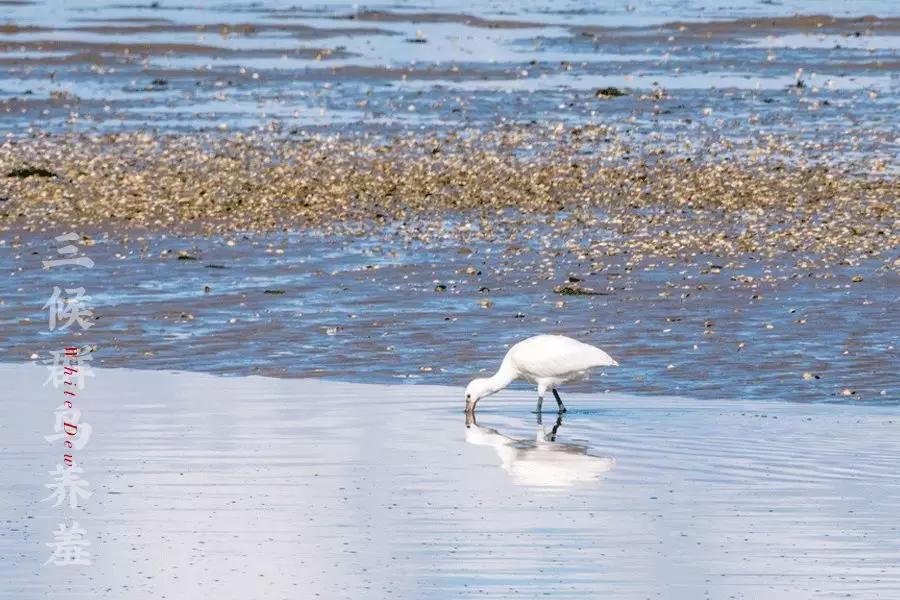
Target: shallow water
400,66
237,487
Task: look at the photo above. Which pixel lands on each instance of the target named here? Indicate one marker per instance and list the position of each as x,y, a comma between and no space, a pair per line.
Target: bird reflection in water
542,462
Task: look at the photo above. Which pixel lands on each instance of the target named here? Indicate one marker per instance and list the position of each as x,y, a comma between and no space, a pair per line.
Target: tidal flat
303,230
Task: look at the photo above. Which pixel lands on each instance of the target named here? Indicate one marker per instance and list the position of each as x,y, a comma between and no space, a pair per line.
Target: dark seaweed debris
26,172
571,289
609,92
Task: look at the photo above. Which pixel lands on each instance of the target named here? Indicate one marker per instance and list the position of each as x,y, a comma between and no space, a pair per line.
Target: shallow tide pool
206,486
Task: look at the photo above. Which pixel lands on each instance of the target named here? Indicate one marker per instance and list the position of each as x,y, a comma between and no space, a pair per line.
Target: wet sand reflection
543,461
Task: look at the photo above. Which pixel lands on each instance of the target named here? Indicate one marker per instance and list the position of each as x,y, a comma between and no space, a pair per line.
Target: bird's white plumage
555,357
546,360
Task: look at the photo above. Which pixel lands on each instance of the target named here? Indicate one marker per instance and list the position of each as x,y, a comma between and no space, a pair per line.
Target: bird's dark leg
540,402
559,402
552,436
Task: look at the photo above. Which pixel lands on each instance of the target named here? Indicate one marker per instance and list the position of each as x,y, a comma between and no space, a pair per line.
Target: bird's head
476,390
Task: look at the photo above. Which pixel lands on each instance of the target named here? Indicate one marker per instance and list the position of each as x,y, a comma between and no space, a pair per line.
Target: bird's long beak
470,407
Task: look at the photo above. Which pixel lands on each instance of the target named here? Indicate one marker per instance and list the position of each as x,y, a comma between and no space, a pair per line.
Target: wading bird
545,360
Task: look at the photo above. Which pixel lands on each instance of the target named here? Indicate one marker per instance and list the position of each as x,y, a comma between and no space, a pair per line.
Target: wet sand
436,17
812,23
233,487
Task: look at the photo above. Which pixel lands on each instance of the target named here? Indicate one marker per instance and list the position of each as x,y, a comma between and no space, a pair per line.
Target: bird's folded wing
552,356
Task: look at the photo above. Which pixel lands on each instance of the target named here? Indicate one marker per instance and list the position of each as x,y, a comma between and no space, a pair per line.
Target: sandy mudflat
255,487
504,176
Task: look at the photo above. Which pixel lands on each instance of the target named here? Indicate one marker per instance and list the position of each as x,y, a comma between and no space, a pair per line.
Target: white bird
545,360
